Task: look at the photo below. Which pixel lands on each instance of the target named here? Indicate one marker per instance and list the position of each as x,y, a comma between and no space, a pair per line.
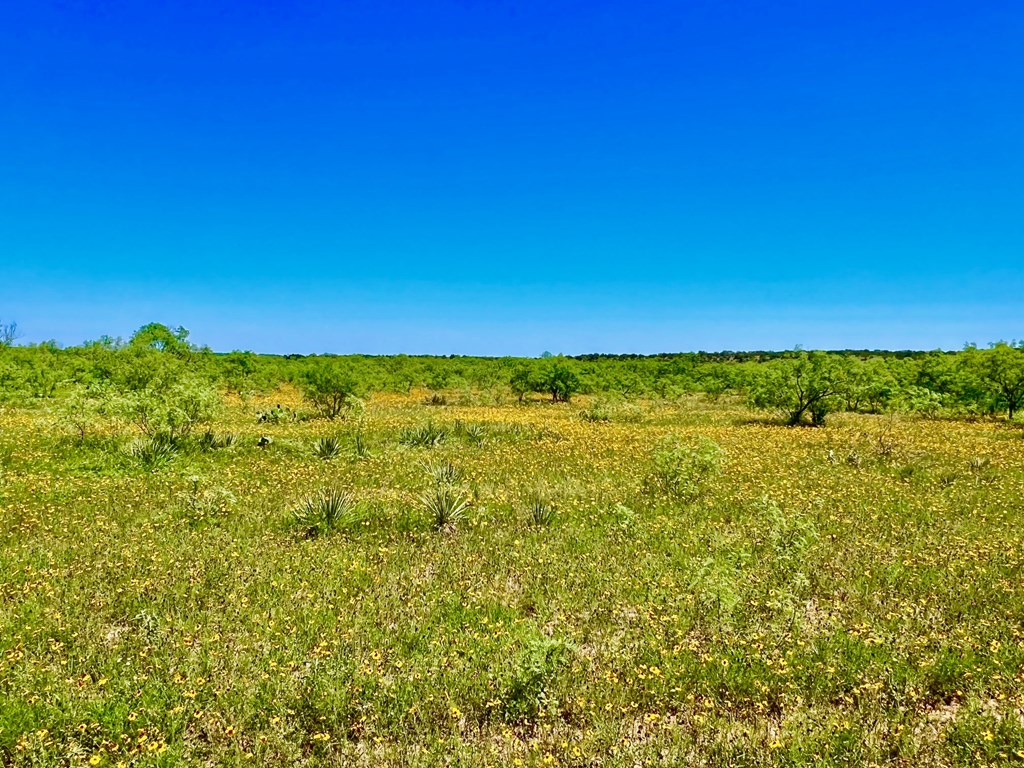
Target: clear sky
490,177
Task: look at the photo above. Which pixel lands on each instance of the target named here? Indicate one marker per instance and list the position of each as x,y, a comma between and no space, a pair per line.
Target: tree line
161,381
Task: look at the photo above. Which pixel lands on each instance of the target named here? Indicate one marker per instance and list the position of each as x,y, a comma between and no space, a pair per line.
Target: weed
542,511
200,505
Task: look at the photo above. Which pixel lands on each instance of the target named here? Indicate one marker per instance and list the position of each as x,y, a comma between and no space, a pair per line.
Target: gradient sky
496,177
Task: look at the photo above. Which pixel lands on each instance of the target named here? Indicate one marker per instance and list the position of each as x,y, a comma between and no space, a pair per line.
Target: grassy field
849,595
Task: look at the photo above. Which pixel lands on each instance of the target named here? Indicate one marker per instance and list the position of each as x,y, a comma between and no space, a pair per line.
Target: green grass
803,609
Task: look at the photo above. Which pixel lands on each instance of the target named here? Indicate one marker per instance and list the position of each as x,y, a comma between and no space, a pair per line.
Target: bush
210,441
330,388
445,502
169,409
528,696
606,409
200,505
807,383
683,470
446,505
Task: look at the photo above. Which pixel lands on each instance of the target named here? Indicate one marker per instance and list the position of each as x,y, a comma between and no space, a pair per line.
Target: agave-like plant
359,445
210,441
426,436
153,452
475,433
327,447
446,504
325,511
444,473
542,512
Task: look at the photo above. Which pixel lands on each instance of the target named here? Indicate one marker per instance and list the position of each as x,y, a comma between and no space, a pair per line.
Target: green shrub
331,388
200,505
445,502
684,469
528,695
359,446
210,441
172,409
803,383
605,409
444,473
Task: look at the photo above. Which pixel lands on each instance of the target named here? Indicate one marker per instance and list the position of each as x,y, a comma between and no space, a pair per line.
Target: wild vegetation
246,559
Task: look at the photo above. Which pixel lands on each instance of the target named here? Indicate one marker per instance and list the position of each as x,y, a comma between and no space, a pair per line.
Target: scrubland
678,582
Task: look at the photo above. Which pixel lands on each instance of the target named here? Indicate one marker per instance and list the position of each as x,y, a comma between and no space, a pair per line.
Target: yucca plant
444,473
475,433
325,511
209,441
327,447
426,436
446,504
542,511
362,450
152,452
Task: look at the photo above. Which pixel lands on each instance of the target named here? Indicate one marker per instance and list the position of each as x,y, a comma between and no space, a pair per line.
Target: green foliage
473,433
554,376
444,473
607,409
247,374
330,387
521,382
558,378
211,441
541,508
1001,371
327,447
160,338
152,452
684,469
81,410
529,696
445,503
806,383
326,511
424,436
790,536
199,504
360,447
169,407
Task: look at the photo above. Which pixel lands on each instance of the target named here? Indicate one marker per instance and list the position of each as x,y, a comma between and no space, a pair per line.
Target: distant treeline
801,385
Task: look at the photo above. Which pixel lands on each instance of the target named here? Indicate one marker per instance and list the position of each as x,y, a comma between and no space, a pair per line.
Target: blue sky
477,177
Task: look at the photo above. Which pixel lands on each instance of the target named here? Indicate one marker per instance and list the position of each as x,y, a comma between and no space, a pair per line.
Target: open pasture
513,585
